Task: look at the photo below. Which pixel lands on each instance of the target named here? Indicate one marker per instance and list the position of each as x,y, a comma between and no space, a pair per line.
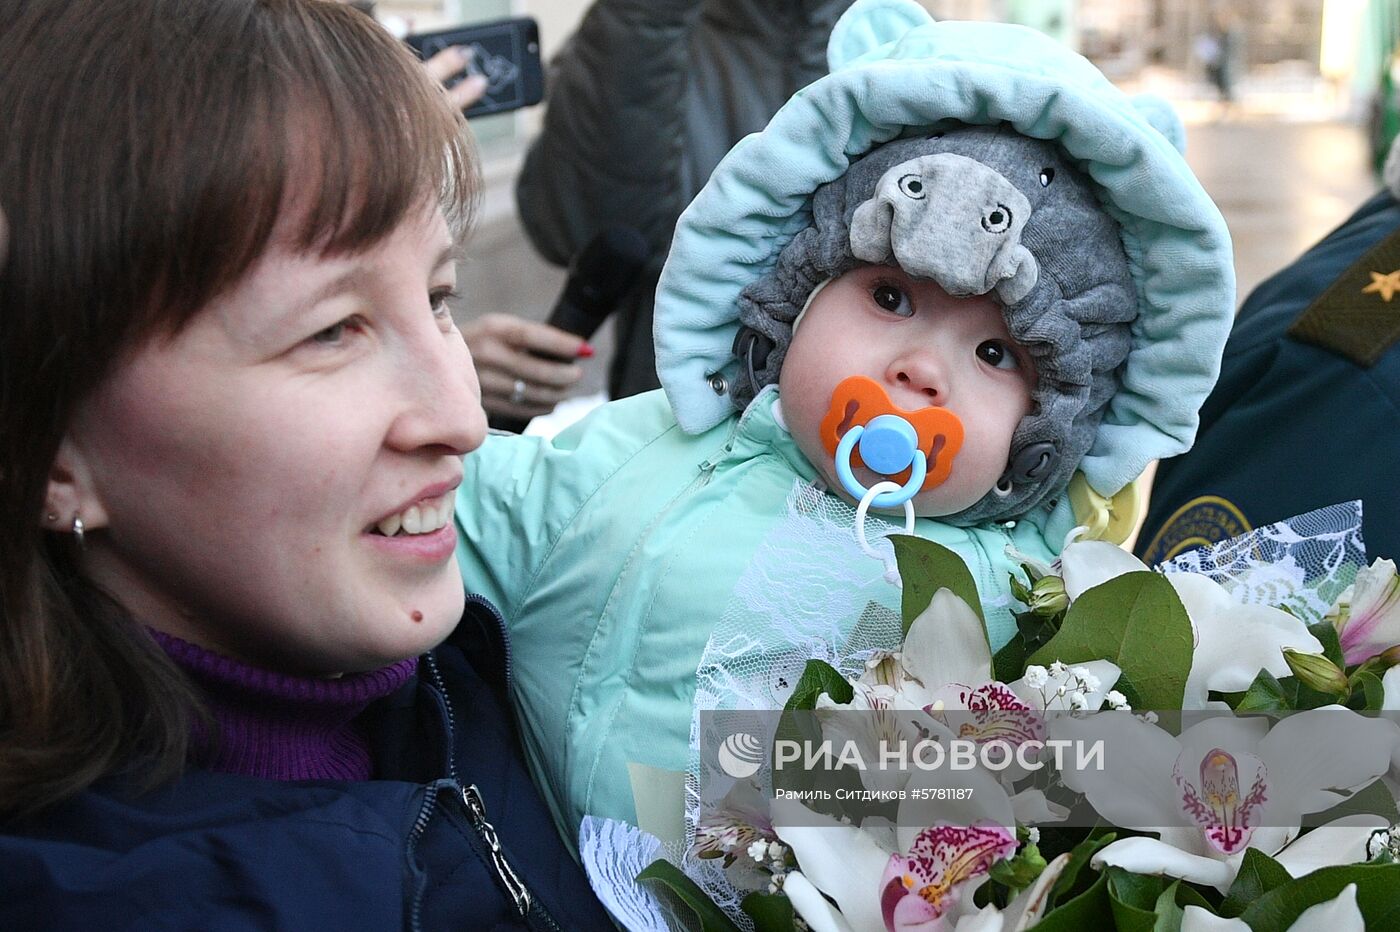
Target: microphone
605,269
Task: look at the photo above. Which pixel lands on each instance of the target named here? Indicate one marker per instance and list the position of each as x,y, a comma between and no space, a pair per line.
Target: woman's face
275,482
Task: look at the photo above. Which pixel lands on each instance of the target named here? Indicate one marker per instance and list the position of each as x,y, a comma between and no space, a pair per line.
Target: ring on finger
517,392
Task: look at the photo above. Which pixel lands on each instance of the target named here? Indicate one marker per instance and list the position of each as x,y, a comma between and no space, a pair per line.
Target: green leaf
1010,662
1258,874
1137,621
1091,909
1367,691
1079,857
1331,645
1139,891
1133,898
1019,592
1269,694
1279,908
1265,694
819,677
770,912
667,880
1037,630
1372,799
1168,911
1187,895
926,567
1019,872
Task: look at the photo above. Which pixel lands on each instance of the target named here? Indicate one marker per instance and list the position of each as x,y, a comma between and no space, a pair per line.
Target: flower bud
1317,672
1390,656
1048,597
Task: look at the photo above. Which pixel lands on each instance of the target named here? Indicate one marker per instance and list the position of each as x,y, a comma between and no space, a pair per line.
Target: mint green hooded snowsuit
613,549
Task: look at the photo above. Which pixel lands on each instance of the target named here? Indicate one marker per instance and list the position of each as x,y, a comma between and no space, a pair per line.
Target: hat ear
1160,115
870,230
869,25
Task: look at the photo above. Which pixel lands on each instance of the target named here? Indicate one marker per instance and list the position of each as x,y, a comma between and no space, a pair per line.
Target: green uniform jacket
612,552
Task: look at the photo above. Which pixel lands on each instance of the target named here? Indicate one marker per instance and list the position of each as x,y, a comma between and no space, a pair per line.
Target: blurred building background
1295,150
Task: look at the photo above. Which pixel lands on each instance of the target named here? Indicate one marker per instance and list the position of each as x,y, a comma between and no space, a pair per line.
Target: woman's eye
441,300
893,300
998,354
335,334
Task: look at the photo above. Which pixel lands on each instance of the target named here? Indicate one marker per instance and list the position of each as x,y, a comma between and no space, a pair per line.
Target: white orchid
909,879
1229,784
898,900
1339,914
941,682
1367,616
1233,641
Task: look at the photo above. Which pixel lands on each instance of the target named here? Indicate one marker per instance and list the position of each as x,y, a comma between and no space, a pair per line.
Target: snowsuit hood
897,73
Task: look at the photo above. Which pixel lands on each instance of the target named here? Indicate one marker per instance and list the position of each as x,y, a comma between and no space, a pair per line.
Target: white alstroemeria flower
1339,914
736,825
1229,784
925,883
1367,616
1233,641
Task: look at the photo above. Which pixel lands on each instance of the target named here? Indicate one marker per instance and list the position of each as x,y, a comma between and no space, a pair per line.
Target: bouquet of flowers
1239,774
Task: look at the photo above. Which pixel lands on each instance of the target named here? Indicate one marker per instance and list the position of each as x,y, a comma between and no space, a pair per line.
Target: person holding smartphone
443,66
644,100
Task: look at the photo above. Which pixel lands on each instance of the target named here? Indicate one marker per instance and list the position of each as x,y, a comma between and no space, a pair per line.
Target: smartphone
506,51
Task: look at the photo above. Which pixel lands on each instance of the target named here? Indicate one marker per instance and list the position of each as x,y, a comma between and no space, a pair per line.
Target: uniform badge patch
1201,522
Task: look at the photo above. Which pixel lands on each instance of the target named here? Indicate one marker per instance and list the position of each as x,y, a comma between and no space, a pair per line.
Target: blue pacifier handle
888,445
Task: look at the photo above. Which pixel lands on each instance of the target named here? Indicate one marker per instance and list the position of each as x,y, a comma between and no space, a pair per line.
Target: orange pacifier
863,427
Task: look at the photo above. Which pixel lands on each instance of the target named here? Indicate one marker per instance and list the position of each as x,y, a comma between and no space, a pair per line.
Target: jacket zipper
482,602
476,815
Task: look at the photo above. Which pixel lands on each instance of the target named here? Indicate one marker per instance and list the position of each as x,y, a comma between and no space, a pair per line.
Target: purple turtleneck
283,727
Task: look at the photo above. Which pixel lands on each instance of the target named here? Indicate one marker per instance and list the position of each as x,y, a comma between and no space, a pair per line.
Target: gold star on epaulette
1385,285
1354,316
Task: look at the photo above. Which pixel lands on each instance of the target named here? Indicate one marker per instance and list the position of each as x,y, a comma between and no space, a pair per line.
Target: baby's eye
998,354
892,299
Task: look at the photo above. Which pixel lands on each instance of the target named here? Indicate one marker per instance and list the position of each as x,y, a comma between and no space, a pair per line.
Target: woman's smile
422,531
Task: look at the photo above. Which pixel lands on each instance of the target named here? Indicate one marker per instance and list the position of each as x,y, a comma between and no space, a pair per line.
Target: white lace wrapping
1301,564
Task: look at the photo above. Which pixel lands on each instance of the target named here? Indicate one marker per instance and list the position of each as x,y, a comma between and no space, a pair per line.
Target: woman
233,407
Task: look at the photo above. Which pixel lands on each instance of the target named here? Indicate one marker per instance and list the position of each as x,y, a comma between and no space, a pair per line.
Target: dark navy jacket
1290,426
405,851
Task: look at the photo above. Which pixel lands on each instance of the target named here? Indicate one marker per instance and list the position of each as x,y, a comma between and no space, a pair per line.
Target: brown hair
149,148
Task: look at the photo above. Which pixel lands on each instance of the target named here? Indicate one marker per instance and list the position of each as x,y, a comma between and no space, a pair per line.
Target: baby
944,279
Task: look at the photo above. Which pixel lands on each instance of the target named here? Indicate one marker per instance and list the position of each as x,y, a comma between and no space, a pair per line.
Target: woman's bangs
369,139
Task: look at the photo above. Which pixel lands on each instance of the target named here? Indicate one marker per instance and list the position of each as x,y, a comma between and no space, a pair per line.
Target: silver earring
78,530
51,517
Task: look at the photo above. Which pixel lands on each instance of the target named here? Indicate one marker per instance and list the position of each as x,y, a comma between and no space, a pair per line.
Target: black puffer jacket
644,101
451,834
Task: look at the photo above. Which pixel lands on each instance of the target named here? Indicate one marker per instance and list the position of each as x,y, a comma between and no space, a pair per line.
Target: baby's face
924,348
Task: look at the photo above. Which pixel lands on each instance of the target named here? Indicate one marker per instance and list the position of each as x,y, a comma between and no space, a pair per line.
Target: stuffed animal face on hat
974,214
877,340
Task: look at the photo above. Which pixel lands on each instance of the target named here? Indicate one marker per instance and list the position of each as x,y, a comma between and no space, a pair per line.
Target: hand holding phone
500,60
447,67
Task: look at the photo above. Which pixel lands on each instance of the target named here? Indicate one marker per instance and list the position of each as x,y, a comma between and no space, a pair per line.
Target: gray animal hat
979,210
